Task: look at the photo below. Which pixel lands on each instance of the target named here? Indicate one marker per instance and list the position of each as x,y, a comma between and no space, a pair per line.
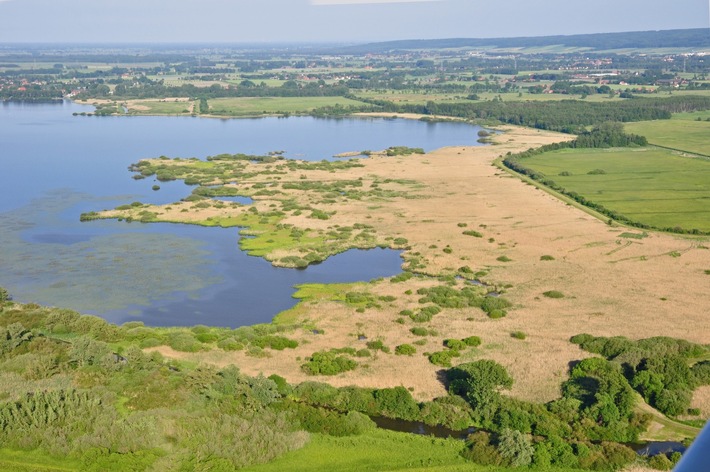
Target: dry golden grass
612,286
701,400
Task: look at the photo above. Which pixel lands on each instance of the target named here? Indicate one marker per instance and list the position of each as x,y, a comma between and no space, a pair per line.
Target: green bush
515,447
419,331
518,335
184,342
377,345
660,462
554,294
230,344
547,258
480,450
328,363
472,341
405,350
396,402
443,358
455,344
278,343
473,233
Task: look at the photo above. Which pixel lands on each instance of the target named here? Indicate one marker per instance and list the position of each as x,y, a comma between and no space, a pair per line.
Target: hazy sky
331,20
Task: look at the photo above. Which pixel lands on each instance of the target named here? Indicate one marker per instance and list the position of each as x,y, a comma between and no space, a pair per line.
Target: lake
56,166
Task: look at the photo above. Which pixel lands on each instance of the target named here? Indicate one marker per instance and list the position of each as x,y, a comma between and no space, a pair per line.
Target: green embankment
653,186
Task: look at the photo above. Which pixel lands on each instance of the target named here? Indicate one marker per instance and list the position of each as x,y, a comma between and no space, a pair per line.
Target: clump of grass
547,257
504,259
419,331
707,272
518,335
554,294
473,233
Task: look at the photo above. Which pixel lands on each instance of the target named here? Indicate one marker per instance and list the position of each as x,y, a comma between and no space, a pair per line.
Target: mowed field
257,106
653,186
684,132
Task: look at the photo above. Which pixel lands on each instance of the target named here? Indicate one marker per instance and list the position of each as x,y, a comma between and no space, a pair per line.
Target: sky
331,21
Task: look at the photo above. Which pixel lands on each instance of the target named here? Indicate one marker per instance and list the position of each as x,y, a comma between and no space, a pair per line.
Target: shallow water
56,166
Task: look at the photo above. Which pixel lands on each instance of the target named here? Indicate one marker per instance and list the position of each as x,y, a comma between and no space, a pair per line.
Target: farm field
257,106
683,132
166,106
652,186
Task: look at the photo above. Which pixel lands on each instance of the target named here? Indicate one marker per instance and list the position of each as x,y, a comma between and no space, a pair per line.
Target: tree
516,448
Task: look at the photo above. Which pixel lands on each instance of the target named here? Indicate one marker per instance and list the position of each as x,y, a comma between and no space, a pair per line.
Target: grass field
257,106
652,186
34,461
166,106
682,132
379,450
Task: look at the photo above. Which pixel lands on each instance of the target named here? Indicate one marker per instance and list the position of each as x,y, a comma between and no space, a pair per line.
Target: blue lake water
56,166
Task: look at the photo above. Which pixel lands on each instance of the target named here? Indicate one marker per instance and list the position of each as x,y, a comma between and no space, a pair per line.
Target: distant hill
682,38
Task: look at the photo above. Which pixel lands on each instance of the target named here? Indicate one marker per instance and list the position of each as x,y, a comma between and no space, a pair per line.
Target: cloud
363,2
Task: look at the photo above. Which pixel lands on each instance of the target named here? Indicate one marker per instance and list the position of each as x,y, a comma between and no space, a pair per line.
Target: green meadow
263,105
648,185
683,132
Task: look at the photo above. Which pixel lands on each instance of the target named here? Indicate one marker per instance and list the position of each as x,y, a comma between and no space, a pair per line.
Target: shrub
472,341
518,335
547,258
396,402
515,447
378,345
230,344
363,353
455,344
503,259
480,450
443,358
660,462
328,363
554,294
278,343
184,342
419,331
405,350
701,373
473,233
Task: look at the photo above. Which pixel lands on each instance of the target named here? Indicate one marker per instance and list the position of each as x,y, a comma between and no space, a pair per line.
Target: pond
57,166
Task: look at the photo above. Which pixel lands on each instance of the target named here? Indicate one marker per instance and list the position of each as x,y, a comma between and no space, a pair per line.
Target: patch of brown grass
611,287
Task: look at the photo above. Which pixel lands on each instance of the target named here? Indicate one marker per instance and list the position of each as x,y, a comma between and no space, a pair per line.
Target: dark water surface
56,166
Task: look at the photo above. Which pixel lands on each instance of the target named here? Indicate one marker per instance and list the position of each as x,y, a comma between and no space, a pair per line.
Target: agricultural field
686,132
273,105
652,186
166,106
